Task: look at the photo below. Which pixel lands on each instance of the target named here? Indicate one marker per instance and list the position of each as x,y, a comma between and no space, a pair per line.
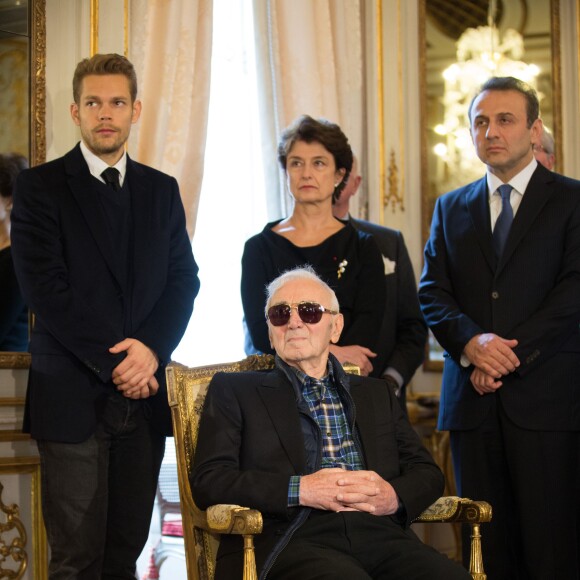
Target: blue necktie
504,220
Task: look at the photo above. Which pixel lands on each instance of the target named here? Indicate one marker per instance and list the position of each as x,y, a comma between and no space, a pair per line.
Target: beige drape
310,60
170,46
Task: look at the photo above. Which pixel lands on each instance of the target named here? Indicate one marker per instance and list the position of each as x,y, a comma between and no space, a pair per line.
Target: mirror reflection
14,74
13,310
461,48
14,153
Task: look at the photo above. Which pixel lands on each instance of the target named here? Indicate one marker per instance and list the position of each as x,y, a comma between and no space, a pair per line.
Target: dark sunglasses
309,312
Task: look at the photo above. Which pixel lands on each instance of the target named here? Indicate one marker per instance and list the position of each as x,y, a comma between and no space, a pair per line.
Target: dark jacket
69,274
251,441
404,331
532,294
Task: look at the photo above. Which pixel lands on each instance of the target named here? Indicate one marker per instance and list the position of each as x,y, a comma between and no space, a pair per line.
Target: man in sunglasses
337,489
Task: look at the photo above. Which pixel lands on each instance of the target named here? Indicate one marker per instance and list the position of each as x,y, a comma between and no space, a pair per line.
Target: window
233,199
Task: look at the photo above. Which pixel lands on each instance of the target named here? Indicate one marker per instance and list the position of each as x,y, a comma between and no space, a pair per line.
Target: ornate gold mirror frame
37,116
432,63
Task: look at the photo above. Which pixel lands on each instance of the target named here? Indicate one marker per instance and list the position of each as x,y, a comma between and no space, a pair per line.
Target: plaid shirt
338,446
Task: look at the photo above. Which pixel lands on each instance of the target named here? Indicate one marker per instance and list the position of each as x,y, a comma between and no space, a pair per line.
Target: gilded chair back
187,388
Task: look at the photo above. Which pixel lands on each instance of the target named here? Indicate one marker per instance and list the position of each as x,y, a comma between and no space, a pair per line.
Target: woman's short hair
11,164
104,64
305,272
328,134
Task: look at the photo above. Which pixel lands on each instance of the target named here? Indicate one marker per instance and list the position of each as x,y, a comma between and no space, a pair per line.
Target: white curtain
170,46
310,61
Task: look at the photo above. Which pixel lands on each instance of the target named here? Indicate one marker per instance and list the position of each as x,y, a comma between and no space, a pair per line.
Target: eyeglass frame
296,306
541,149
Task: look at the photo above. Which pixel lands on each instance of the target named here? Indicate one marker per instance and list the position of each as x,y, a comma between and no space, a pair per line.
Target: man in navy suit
104,262
403,332
501,292
329,459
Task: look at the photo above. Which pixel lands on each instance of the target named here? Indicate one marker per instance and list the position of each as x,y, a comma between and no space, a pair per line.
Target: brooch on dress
341,268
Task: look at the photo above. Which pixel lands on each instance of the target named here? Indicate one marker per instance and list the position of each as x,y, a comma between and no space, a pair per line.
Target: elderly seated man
328,458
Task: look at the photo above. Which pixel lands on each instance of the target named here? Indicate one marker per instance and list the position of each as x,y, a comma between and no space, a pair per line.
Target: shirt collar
97,165
298,378
519,182
328,378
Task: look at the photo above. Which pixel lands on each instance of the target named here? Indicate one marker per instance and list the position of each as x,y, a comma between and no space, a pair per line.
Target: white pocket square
390,266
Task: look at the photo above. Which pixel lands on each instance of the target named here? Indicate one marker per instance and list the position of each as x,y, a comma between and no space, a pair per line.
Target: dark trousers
360,546
531,479
98,495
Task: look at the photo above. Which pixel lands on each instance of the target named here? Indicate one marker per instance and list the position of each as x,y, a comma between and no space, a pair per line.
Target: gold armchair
187,388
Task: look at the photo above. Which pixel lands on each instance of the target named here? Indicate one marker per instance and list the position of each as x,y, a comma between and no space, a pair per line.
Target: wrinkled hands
339,490
493,358
356,355
135,375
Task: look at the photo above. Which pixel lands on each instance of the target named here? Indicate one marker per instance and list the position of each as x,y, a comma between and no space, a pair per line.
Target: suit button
495,295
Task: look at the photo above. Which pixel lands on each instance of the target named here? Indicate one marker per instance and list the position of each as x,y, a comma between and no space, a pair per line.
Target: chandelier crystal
481,53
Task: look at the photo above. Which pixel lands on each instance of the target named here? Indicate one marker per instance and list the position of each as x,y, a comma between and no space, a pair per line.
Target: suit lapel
536,196
85,192
142,223
365,422
477,201
279,398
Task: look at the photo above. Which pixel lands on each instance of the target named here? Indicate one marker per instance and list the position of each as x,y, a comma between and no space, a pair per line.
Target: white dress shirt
97,165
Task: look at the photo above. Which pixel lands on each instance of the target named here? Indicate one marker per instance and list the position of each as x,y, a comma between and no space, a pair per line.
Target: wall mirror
22,95
458,41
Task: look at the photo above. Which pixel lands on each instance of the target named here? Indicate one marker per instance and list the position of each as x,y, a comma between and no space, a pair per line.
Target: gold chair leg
250,572
476,559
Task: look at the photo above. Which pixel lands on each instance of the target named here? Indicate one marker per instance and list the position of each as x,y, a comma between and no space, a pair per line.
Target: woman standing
317,158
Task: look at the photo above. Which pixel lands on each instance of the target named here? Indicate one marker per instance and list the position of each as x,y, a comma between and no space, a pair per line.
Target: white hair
305,272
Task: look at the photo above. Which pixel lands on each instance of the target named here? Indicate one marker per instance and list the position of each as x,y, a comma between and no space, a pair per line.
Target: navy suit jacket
69,274
250,443
532,294
403,333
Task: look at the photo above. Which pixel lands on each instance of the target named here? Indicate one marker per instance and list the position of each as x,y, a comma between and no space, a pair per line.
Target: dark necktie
504,220
111,177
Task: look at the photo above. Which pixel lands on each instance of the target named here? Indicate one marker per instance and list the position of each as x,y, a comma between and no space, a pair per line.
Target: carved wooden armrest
461,509
456,509
233,519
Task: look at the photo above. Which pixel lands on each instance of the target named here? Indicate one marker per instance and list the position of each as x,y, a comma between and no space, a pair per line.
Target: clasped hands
493,358
135,374
355,354
336,490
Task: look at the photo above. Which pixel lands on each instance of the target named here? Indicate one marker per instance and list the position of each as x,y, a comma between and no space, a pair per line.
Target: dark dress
360,287
13,311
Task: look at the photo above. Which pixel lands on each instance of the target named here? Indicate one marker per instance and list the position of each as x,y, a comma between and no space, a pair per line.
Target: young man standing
105,263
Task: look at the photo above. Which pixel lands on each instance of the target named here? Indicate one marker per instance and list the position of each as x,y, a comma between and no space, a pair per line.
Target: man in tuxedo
337,493
403,332
501,292
104,262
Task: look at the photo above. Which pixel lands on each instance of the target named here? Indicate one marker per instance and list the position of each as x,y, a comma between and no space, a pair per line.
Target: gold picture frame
36,33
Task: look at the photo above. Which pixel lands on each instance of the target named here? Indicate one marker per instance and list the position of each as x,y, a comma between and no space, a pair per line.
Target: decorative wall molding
14,360
24,547
394,176
13,540
38,84
394,197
